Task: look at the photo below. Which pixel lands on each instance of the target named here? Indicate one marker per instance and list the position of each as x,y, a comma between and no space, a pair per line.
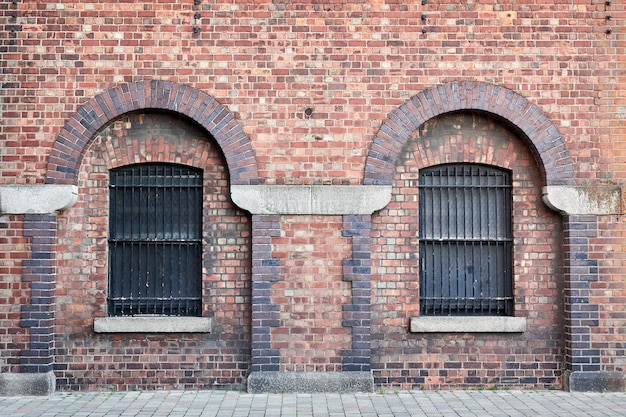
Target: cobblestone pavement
238,404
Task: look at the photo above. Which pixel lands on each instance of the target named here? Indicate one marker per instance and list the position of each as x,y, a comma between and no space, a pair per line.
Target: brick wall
608,249
14,292
146,361
300,92
351,63
311,293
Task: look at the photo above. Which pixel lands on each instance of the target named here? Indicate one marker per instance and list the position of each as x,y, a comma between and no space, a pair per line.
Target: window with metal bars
465,241
155,240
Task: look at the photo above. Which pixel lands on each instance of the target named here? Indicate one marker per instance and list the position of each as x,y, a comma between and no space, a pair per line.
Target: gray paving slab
388,404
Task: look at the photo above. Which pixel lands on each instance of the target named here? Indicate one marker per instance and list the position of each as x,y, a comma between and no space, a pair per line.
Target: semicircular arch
75,137
535,127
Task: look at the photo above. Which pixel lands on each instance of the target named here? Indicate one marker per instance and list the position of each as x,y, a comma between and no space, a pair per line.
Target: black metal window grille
155,240
465,240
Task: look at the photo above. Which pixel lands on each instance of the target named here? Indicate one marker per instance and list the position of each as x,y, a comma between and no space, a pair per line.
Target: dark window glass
155,240
465,240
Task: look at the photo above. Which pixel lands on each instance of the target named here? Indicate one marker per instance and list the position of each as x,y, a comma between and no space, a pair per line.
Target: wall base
310,382
594,381
27,384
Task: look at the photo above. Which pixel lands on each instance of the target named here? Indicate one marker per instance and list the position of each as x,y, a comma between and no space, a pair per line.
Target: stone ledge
594,381
37,198
310,382
598,200
311,199
27,384
479,324
152,324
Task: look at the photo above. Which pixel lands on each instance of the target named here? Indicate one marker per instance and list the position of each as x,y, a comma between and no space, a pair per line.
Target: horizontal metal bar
149,241
155,298
168,186
466,240
453,186
466,299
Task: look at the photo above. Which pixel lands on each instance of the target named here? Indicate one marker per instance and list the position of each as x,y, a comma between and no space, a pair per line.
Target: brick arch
537,130
77,134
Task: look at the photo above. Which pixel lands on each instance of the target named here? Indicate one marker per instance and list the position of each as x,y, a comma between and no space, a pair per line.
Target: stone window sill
152,324
483,324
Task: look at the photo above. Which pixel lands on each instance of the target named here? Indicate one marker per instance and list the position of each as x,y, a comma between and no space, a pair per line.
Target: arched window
465,240
155,240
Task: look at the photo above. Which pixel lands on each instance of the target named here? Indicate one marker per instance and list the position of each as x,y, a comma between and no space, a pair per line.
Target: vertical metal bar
422,251
113,234
190,209
428,274
434,273
497,244
472,235
134,249
507,231
483,233
442,234
119,304
452,261
457,239
112,246
138,198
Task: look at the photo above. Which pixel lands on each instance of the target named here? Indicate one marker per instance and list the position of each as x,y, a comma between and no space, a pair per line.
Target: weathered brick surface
310,294
39,270
76,135
357,311
14,292
301,92
265,313
541,135
531,359
352,63
607,292
145,361
582,313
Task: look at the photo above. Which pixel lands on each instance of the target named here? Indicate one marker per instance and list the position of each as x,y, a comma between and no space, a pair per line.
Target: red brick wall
609,250
311,293
352,63
146,361
433,361
14,247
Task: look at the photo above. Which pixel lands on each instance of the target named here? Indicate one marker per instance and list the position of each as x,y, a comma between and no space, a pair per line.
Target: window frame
160,223
447,192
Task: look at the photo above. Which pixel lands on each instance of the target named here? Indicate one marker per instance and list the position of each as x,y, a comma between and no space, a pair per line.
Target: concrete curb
310,382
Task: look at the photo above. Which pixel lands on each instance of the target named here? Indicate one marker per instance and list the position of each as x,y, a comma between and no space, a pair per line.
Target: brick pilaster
581,314
38,316
265,314
357,314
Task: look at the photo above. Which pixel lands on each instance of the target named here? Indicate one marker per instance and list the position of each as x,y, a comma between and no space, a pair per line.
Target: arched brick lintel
540,134
68,150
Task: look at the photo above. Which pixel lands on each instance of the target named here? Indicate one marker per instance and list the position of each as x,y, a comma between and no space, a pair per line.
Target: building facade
312,195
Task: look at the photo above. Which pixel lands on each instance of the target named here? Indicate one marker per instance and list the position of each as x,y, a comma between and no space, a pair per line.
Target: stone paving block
236,404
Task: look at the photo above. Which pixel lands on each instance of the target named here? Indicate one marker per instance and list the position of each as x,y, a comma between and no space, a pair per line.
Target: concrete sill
152,324
484,324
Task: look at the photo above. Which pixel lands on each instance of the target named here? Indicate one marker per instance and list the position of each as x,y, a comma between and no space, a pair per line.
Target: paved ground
237,404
